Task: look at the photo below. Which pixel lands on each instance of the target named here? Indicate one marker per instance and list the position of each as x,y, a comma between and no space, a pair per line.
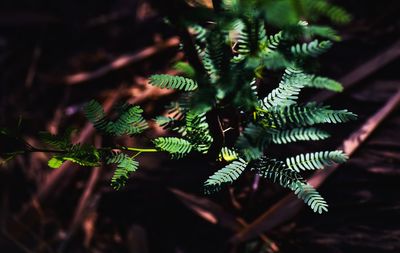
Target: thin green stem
144,150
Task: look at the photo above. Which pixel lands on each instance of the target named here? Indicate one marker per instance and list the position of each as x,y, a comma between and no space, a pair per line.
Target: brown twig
290,205
364,70
121,62
81,209
215,214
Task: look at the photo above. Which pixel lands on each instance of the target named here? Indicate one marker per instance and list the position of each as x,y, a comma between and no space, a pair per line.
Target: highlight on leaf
298,134
176,147
125,167
173,82
314,161
226,175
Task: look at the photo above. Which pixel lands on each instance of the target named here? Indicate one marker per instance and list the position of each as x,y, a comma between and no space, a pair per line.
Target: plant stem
144,150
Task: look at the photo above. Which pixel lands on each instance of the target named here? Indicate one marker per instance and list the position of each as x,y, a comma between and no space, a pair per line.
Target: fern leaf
125,167
130,121
334,13
313,49
228,155
299,116
320,82
310,196
55,162
226,175
197,131
82,154
252,141
173,82
288,90
275,40
60,142
278,172
314,161
298,134
176,147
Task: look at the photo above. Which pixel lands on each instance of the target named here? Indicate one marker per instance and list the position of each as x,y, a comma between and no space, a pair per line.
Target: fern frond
82,154
125,167
298,134
278,172
226,175
199,32
288,90
228,155
176,147
275,40
60,142
310,196
322,31
314,161
94,112
173,82
299,116
197,131
252,141
313,48
334,13
130,121
320,82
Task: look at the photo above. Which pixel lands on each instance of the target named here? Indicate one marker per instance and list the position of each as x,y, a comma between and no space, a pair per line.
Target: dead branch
290,205
364,70
121,62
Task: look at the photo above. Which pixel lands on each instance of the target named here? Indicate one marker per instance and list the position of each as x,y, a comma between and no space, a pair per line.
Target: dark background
44,42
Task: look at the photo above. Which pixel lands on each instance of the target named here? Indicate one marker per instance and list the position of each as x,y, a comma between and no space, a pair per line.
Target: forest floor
42,48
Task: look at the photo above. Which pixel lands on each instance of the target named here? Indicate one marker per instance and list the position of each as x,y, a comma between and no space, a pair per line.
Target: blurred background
57,55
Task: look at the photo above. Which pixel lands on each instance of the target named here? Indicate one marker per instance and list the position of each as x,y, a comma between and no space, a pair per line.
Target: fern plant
229,57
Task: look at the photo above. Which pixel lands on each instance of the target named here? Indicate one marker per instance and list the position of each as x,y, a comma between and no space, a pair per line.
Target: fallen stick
289,206
215,214
121,62
362,71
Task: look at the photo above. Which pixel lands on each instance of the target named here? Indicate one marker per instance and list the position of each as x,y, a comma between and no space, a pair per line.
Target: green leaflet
173,82
129,121
313,49
281,117
84,155
125,167
226,175
317,160
278,172
176,147
228,155
298,134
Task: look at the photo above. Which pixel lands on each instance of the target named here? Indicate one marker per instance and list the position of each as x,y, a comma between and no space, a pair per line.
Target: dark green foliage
226,175
173,82
229,61
176,147
282,117
252,141
82,154
317,160
125,167
298,134
129,121
278,172
313,48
